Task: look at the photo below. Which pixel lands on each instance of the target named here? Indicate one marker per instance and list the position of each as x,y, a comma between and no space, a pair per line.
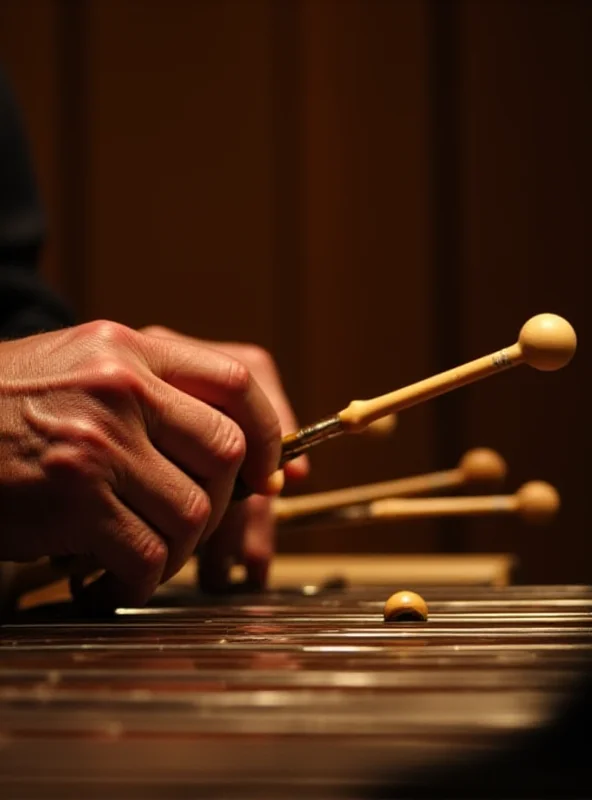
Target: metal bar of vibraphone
439,611
306,638
276,712
545,657
208,629
181,680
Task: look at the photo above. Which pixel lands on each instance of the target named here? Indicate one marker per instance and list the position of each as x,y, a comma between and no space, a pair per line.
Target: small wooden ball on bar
405,606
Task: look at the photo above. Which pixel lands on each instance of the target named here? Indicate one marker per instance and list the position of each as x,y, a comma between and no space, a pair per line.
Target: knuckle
107,333
115,373
156,330
152,555
110,376
258,357
229,445
196,510
108,368
238,378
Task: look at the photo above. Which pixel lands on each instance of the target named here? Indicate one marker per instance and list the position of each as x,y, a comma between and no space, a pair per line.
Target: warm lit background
374,190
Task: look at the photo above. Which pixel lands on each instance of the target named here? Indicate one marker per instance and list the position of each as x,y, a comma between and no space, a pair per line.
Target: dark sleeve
27,305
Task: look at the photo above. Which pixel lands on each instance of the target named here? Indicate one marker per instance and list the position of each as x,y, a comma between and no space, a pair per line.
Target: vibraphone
307,691
298,692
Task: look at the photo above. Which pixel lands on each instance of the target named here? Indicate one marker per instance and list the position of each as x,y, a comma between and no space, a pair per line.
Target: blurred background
374,190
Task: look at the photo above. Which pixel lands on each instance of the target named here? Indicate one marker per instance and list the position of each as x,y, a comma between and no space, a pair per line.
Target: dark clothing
27,306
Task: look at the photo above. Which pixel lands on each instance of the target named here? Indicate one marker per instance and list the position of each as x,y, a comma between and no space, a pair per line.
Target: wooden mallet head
483,465
547,342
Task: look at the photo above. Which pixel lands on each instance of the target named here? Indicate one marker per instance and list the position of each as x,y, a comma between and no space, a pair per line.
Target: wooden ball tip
548,342
405,606
483,465
538,501
382,426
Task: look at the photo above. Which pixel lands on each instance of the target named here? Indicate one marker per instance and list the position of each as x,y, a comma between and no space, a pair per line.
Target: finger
258,540
267,376
222,551
203,442
299,467
173,504
221,381
245,536
134,558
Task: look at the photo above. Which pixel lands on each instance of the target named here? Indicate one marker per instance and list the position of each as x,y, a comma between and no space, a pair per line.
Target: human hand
246,534
125,448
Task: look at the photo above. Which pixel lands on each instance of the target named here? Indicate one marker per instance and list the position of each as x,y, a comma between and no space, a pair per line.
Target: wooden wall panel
526,177
179,193
372,189
367,273
446,225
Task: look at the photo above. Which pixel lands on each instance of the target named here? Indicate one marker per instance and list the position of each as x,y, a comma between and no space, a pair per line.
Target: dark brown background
373,189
